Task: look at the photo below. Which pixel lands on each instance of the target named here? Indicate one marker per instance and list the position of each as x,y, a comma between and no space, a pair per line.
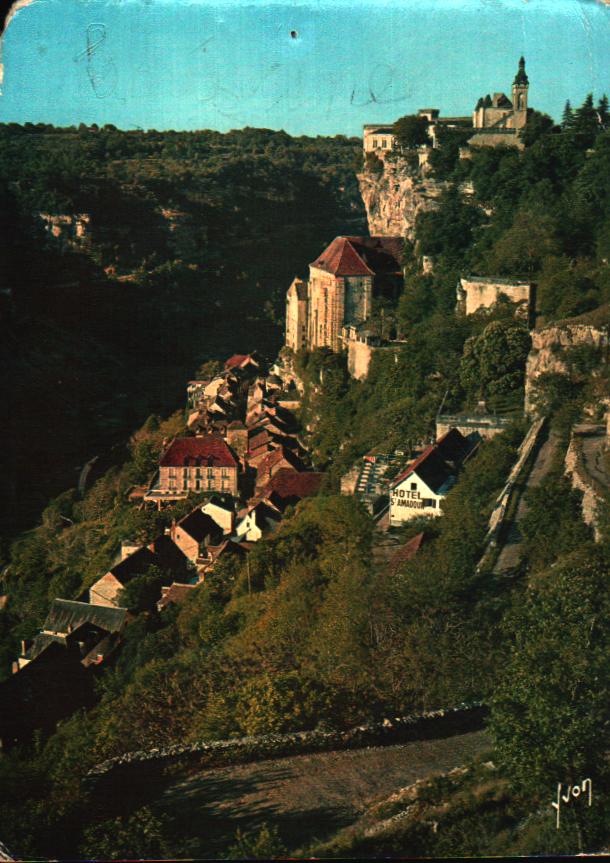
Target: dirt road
307,797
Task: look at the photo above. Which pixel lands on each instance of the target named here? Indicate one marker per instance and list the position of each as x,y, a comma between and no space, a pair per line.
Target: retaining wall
222,753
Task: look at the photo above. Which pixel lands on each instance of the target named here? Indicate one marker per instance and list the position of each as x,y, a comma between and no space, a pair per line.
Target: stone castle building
496,120
482,292
296,315
344,282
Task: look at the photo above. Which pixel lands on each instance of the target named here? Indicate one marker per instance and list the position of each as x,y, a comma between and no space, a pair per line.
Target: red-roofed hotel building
343,283
203,463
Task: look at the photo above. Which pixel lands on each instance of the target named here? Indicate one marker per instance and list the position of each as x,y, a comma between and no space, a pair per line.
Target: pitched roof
66,613
278,455
136,564
406,552
438,462
239,361
362,256
169,556
217,500
208,451
289,486
175,593
453,446
342,259
199,525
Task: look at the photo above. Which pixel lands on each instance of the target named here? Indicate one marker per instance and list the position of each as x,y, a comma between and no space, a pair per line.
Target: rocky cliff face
394,198
548,353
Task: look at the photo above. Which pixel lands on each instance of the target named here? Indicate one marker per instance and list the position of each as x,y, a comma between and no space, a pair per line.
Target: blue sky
193,65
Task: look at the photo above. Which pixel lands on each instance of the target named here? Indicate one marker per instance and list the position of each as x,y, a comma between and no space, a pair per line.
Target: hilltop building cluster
496,121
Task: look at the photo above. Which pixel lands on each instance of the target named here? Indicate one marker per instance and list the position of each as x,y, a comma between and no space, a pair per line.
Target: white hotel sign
411,498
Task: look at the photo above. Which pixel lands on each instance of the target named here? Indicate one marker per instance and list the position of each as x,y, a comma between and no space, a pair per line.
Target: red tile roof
176,593
276,457
406,552
290,486
342,259
239,360
207,451
362,256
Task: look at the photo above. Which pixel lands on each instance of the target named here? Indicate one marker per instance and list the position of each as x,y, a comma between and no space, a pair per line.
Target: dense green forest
309,633
192,241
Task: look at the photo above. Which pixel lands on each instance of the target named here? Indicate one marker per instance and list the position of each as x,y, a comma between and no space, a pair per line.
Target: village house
106,590
195,464
222,510
380,138
53,676
274,461
93,630
287,487
162,553
257,521
421,488
344,283
194,533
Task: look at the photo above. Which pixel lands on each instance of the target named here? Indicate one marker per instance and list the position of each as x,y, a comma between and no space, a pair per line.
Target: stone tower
520,89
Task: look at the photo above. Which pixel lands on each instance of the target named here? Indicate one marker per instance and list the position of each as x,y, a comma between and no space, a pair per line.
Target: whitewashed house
420,489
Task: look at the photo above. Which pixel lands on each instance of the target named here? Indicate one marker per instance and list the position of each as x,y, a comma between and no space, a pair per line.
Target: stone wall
487,427
221,753
549,346
482,293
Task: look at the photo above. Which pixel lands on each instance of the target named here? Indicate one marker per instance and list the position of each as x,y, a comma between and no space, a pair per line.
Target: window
210,472
225,472
413,486
198,472
384,143
172,482
185,484
210,484
198,484
172,471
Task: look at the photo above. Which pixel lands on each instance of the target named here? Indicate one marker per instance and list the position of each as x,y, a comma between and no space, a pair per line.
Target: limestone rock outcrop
395,197
549,348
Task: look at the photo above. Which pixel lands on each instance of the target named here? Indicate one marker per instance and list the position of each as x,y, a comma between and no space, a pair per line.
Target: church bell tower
520,90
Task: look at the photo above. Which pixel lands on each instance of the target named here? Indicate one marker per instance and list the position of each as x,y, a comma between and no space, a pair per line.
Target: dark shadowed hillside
189,240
